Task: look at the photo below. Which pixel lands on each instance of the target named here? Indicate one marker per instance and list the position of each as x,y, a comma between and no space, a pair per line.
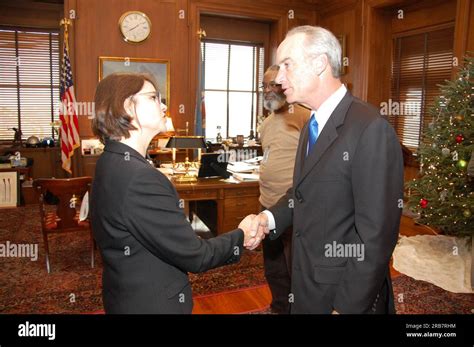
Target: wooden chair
65,218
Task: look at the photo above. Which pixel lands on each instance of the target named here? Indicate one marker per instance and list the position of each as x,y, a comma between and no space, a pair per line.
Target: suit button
297,233
298,196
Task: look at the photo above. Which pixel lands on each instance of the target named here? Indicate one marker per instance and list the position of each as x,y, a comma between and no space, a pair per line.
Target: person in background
147,245
279,135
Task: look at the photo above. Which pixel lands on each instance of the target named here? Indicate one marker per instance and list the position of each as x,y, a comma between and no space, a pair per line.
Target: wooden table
221,205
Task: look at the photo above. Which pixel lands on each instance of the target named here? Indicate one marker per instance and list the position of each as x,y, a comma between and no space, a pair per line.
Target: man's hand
255,228
257,232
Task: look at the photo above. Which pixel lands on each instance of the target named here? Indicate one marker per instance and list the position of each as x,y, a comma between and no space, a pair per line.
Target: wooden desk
220,205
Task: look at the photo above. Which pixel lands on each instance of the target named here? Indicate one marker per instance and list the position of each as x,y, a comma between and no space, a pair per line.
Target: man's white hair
320,41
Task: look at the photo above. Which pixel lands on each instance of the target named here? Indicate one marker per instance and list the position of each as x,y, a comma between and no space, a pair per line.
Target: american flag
67,114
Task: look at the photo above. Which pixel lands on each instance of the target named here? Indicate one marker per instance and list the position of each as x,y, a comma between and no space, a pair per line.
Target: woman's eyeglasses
154,96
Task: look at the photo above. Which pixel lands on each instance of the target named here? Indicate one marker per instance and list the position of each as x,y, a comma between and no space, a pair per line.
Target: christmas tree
443,196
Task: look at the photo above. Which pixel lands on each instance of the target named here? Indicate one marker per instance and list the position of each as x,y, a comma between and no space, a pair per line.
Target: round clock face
135,26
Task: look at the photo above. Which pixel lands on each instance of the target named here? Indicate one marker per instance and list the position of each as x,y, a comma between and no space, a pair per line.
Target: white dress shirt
322,115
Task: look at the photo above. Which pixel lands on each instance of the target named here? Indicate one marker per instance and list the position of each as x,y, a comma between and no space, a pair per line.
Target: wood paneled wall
96,34
345,19
33,15
369,26
464,29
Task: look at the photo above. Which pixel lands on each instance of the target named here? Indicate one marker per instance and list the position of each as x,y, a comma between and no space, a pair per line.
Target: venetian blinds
29,81
420,62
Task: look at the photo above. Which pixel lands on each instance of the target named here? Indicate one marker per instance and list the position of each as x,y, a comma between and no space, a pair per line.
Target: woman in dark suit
147,244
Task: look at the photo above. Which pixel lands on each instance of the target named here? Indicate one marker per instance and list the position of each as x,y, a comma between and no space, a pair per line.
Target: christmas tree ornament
459,117
462,164
445,152
423,203
459,138
467,213
443,195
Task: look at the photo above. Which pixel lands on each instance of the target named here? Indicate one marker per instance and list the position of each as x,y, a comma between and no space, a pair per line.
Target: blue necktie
313,133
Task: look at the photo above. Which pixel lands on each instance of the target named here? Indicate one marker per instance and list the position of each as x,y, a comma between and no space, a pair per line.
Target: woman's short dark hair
111,120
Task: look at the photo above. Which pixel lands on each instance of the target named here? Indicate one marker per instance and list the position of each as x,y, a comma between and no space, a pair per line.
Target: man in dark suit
346,200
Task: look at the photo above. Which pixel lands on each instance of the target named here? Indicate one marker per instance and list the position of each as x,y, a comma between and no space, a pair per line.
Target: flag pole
64,23
69,135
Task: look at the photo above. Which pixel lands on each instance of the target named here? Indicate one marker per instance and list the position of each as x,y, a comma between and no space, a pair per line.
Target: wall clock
135,26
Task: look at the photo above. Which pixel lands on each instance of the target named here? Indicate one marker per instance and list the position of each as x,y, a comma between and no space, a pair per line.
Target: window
232,74
420,63
29,81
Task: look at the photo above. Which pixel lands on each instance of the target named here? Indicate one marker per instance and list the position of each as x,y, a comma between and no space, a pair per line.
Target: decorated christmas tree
443,196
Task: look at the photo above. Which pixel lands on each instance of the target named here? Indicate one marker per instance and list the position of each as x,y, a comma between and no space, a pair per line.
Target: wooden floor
259,298
239,301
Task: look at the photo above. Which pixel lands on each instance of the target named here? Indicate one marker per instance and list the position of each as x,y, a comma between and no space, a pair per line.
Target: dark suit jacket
346,191
147,245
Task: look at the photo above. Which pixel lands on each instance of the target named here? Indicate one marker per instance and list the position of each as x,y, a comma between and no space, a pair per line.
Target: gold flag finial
201,34
65,22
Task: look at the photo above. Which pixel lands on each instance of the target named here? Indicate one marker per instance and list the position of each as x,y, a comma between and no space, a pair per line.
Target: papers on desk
241,167
244,171
254,161
231,179
167,171
246,177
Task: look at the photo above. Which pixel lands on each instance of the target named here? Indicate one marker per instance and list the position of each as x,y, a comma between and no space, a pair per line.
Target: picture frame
9,189
342,42
158,68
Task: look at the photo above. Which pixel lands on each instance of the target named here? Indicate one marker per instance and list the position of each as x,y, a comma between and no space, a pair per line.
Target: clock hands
133,27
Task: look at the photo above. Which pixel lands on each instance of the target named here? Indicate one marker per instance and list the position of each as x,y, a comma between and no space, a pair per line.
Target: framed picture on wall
158,68
9,189
342,41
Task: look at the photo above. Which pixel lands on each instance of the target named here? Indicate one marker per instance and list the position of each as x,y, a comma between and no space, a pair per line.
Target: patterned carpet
73,287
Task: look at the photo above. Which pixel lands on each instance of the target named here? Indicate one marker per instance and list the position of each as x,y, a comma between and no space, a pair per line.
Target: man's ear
320,64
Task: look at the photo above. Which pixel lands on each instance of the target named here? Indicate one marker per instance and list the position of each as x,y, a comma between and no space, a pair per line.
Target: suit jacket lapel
325,138
301,153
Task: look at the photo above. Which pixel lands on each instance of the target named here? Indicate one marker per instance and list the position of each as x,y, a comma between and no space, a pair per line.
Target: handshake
255,229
